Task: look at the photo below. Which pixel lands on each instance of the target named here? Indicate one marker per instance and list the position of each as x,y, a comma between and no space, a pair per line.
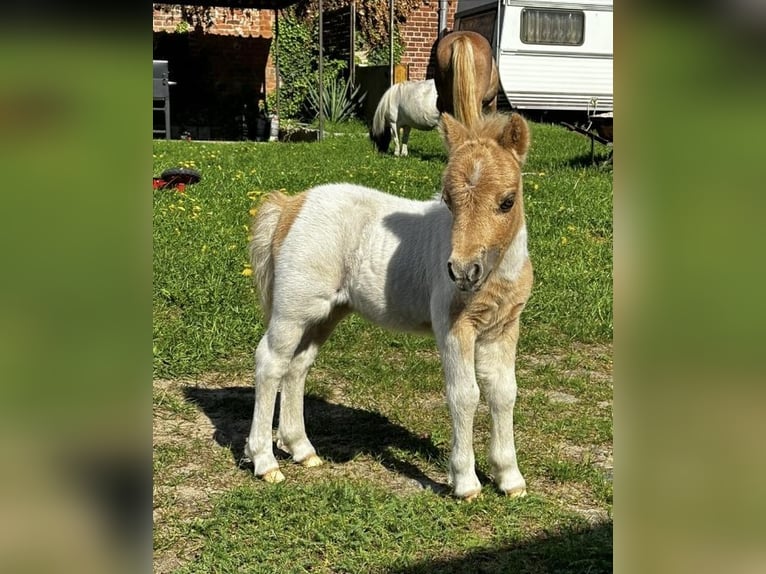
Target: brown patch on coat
290,206
493,312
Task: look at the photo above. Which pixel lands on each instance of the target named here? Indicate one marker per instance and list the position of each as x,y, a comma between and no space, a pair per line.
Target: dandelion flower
252,212
247,271
564,241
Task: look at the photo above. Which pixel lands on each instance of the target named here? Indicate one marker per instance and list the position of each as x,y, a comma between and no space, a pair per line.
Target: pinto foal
456,266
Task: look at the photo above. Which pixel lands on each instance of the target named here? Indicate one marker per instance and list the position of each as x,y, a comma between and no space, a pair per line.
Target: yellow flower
564,241
571,228
247,272
252,212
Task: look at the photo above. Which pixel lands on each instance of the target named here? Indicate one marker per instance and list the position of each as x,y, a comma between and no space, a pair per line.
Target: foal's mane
505,129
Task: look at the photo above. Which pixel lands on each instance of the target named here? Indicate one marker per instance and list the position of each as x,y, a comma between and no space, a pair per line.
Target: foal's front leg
457,350
496,368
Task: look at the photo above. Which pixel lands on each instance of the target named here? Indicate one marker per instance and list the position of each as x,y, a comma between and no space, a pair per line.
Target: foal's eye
507,203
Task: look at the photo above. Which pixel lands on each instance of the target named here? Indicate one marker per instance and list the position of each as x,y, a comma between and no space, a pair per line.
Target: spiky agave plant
339,99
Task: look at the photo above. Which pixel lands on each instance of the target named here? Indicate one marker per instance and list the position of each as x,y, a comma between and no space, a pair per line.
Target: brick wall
221,57
221,60
220,21
419,35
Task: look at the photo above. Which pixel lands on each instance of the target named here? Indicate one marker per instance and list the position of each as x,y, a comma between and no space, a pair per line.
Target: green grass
376,410
204,312
357,528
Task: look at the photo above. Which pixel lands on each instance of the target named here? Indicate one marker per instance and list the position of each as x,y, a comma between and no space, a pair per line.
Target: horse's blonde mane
465,101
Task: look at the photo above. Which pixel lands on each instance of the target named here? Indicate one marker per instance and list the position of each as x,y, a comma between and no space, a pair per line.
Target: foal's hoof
311,461
469,496
472,496
519,492
273,476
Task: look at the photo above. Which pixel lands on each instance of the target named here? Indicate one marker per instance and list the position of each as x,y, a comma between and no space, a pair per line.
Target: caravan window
483,23
561,27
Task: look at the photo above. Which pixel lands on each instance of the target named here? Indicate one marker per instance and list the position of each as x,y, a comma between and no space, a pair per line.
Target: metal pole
352,47
443,7
276,56
321,80
498,22
391,41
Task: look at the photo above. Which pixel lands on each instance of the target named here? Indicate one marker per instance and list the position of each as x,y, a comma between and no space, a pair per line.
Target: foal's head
482,188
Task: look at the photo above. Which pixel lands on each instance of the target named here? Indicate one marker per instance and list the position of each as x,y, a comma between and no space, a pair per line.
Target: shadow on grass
575,551
426,155
599,159
339,433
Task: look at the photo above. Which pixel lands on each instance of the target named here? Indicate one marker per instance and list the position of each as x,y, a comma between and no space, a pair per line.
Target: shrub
340,99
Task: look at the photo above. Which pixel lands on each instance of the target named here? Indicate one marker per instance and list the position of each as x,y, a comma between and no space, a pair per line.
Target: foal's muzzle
468,276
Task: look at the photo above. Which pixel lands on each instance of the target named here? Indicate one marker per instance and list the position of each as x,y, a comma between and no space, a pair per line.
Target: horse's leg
405,138
291,435
395,132
456,346
495,364
272,360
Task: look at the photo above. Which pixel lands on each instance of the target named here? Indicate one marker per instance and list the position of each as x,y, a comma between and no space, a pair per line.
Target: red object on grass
176,178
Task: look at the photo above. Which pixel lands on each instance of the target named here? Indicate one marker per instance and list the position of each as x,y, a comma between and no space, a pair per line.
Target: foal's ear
453,132
515,137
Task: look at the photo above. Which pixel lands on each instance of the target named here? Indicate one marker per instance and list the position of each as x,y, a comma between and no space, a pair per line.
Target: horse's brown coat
466,76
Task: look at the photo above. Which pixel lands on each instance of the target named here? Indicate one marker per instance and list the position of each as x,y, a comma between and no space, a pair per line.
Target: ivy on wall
298,45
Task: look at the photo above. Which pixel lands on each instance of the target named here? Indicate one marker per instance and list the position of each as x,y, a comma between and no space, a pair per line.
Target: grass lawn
375,408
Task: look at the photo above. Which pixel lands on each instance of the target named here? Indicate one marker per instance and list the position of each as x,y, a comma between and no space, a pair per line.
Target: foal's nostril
450,271
475,273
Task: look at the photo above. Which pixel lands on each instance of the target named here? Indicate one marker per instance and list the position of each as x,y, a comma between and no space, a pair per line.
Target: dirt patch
561,397
198,453
200,424
597,455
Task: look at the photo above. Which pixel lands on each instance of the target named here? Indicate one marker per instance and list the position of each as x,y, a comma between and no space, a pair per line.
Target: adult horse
456,266
404,106
466,76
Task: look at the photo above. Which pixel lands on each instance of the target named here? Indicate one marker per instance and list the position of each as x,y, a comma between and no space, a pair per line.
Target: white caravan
551,54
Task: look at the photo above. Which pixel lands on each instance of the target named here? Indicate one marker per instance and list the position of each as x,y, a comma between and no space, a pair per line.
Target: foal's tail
380,132
465,102
263,231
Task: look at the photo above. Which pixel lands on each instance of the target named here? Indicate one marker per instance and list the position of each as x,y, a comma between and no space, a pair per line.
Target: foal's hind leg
272,361
291,436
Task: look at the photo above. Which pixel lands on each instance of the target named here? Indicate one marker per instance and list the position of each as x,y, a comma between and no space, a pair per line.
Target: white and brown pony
404,106
466,76
456,266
